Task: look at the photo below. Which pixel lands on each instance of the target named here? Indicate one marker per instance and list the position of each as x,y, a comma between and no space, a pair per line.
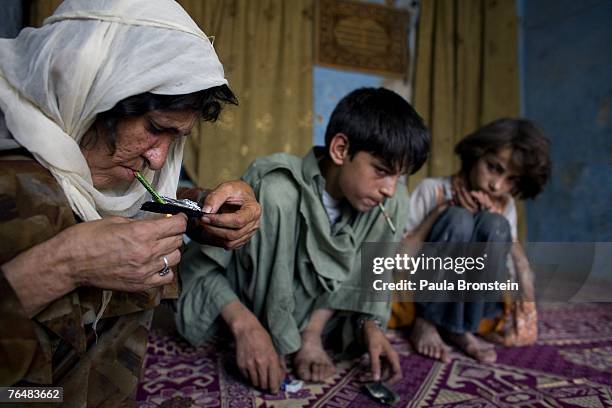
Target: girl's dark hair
380,122
208,103
530,152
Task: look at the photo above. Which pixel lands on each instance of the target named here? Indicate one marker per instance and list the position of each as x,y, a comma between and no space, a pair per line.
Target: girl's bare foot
311,362
427,341
474,346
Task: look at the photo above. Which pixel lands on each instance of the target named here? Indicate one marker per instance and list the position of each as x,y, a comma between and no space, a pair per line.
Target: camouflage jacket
58,346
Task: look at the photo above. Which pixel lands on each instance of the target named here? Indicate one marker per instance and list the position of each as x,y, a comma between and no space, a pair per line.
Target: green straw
387,218
149,188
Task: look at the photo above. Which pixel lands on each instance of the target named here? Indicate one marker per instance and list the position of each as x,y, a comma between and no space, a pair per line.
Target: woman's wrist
41,274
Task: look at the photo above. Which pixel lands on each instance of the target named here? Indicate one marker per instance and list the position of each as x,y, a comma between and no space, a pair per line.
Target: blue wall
331,85
10,18
566,58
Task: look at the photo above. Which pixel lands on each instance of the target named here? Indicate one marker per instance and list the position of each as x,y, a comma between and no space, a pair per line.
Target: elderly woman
103,89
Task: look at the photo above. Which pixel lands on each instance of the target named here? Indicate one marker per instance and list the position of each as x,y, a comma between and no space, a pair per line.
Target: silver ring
166,269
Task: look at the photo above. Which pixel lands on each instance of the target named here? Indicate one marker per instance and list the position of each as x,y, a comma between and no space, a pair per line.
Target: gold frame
349,32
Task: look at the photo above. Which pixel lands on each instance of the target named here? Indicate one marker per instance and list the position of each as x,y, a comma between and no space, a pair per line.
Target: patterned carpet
570,366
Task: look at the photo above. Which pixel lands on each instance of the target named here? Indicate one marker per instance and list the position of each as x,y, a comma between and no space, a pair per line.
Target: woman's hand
234,216
113,253
122,254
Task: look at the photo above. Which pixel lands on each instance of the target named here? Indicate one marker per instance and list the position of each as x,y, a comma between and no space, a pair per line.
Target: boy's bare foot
311,362
427,341
475,347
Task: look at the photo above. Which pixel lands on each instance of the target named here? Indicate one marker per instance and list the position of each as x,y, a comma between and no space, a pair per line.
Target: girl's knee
493,227
461,218
457,224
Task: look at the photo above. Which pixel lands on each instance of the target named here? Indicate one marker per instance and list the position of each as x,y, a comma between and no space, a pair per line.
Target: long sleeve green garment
296,263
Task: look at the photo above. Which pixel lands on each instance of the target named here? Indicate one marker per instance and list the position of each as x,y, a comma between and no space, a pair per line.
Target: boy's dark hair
380,122
207,102
529,146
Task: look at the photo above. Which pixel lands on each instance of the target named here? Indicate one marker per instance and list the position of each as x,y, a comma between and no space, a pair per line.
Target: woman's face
494,174
140,142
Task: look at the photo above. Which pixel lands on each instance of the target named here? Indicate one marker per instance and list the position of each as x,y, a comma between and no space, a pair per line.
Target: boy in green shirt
299,277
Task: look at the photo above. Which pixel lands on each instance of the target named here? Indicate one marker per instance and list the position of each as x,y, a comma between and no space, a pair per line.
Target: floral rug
570,366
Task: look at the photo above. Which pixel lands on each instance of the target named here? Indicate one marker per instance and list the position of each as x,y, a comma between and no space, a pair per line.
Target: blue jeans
458,225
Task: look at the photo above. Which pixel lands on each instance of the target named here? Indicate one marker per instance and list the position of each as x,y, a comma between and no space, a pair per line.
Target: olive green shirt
296,263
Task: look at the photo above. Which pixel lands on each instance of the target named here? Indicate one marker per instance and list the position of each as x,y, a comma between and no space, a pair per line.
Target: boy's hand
256,356
379,347
257,359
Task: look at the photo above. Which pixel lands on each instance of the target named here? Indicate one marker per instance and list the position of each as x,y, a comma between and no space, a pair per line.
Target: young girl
505,158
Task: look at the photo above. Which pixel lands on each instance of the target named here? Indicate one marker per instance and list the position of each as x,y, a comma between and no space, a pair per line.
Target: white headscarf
84,59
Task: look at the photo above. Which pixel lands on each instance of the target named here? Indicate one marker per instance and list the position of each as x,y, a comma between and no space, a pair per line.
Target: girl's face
140,142
494,174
